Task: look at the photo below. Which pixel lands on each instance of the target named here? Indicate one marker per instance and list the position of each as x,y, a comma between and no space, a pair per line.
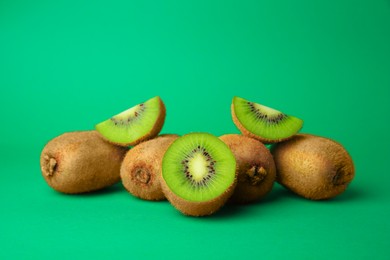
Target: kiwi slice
141,168
199,174
255,168
134,125
313,167
263,123
79,162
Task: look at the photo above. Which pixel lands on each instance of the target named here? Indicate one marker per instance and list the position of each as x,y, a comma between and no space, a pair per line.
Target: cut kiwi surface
136,124
199,173
263,123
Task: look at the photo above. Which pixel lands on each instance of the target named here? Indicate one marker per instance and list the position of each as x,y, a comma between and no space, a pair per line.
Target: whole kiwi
141,168
313,167
78,162
255,168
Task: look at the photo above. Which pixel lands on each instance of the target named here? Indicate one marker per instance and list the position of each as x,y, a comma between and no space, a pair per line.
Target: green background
67,65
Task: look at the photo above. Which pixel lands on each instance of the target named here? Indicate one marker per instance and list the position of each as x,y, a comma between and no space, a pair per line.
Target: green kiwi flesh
79,162
199,174
141,168
313,167
263,123
134,125
256,170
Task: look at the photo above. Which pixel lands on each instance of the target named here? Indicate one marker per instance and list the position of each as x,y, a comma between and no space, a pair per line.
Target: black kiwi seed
210,167
260,115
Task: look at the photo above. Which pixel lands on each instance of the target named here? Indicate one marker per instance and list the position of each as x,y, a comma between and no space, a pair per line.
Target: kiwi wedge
134,125
256,170
313,167
141,168
79,162
263,123
199,174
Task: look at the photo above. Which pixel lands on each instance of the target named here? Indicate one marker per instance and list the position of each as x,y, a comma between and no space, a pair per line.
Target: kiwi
141,168
199,174
263,123
313,167
79,162
255,168
139,123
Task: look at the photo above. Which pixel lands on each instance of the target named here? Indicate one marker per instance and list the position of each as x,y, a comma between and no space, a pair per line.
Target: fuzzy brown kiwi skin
256,171
141,168
152,134
313,167
79,162
245,132
198,209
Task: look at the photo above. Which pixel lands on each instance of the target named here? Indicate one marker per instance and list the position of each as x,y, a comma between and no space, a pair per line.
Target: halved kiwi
263,123
134,125
199,174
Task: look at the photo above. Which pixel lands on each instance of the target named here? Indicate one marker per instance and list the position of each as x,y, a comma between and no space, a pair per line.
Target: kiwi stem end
51,164
341,177
256,174
142,175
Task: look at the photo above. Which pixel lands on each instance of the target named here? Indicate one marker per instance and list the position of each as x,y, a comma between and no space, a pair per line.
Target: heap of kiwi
198,172
85,161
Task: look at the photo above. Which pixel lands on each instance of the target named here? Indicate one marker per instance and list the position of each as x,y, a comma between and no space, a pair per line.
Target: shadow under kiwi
232,209
277,193
350,194
228,210
115,188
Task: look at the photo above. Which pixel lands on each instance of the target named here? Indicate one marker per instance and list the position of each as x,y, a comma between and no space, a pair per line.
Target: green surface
67,65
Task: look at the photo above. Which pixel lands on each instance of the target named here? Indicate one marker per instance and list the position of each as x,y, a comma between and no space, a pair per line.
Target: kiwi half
141,168
313,167
256,170
199,174
263,123
139,123
79,162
